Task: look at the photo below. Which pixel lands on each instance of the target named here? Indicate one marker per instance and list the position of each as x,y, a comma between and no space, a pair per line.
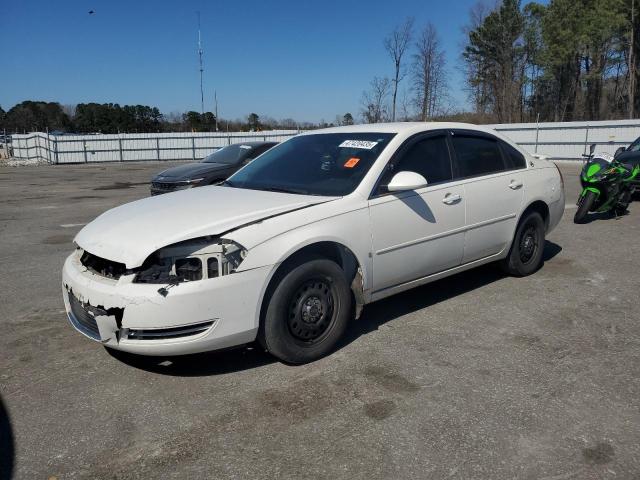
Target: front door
417,233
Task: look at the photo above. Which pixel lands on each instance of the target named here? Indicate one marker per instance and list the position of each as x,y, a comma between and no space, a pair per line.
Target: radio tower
215,100
200,52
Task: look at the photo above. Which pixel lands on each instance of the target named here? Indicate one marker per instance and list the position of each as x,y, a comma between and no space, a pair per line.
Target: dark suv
211,170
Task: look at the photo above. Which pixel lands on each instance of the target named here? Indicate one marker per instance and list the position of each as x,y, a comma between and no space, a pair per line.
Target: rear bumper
556,203
194,317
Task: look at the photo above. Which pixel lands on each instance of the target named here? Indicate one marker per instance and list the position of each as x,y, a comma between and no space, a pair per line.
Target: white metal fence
61,149
568,140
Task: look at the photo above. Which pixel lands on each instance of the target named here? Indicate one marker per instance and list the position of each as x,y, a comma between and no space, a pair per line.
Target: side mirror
592,148
403,181
619,151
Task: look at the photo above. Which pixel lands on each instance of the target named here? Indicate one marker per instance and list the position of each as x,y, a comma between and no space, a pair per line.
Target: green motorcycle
606,185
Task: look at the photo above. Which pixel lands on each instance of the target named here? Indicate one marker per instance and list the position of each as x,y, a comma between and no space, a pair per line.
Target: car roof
254,144
402,127
407,129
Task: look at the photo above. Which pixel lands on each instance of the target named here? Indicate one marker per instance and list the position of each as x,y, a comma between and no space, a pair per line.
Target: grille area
83,316
103,267
82,319
163,187
168,333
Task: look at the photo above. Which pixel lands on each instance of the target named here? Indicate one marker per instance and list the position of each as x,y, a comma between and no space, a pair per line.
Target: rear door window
476,155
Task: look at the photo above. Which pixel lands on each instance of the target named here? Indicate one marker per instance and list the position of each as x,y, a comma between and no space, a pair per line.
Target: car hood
189,170
131,232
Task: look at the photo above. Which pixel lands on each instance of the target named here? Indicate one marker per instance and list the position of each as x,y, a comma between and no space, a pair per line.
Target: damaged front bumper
192,317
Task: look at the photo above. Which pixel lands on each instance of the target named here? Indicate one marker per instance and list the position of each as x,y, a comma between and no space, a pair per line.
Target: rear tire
307,313
525,255
584,205
623,204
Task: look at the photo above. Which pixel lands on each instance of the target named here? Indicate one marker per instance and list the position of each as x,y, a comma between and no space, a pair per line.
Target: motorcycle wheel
584,205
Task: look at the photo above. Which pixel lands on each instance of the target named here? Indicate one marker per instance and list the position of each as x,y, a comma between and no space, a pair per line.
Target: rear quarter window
515,160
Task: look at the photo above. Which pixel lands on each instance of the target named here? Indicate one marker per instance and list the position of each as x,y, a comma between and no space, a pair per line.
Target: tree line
31,116
562,61
568,60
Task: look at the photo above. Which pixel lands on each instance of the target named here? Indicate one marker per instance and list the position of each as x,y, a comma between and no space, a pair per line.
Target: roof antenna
200,52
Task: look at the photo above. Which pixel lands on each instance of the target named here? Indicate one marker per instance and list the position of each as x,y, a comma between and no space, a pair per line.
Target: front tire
307,313
584,205
525,255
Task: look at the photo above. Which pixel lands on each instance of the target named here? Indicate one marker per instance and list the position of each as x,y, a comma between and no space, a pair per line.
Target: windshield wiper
285,190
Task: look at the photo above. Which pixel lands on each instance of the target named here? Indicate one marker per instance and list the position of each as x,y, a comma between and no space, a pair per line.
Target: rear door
493,176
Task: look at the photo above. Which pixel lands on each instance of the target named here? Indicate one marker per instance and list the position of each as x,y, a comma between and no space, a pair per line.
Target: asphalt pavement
475,376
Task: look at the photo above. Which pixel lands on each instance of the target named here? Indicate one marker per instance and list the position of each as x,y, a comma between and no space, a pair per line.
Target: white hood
131,232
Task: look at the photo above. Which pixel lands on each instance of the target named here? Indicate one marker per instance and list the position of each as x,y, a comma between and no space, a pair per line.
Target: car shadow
418,205
7,449
381,312
245,357
592,217
373,317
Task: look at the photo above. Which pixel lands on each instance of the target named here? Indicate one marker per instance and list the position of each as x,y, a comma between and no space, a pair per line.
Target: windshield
635,146
229,155
329,164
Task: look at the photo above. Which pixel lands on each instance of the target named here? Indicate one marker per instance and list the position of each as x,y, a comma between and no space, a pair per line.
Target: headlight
191,261
189,183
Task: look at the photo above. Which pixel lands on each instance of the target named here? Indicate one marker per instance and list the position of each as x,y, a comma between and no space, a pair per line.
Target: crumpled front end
148,311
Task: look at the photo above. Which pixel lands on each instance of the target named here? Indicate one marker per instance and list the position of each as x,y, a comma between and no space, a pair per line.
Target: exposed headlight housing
191,261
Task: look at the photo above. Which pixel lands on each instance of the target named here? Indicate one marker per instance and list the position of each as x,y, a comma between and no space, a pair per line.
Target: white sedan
292,246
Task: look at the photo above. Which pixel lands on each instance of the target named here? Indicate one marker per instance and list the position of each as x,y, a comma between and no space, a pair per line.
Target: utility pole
631,68
200,52
215,100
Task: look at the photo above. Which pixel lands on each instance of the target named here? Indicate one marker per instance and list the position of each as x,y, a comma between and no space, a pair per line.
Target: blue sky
304,60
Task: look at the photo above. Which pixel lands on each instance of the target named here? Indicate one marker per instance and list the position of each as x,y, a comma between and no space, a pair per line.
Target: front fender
589,189
349,229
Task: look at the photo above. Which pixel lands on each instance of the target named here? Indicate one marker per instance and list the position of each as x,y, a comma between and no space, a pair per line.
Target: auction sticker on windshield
364,144
352,162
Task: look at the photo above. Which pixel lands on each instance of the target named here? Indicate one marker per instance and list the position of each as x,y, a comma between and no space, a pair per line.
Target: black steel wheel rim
529,244
312,311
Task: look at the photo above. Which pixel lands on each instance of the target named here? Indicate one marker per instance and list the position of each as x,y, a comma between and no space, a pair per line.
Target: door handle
514,185
451,199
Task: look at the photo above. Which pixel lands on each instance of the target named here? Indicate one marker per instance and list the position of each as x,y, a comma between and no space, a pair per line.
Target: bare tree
406,107
396,45
374,101
288,123
428,73
69,109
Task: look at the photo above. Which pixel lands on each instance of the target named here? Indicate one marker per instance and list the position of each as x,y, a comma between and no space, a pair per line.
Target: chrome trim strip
168,333
444,234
